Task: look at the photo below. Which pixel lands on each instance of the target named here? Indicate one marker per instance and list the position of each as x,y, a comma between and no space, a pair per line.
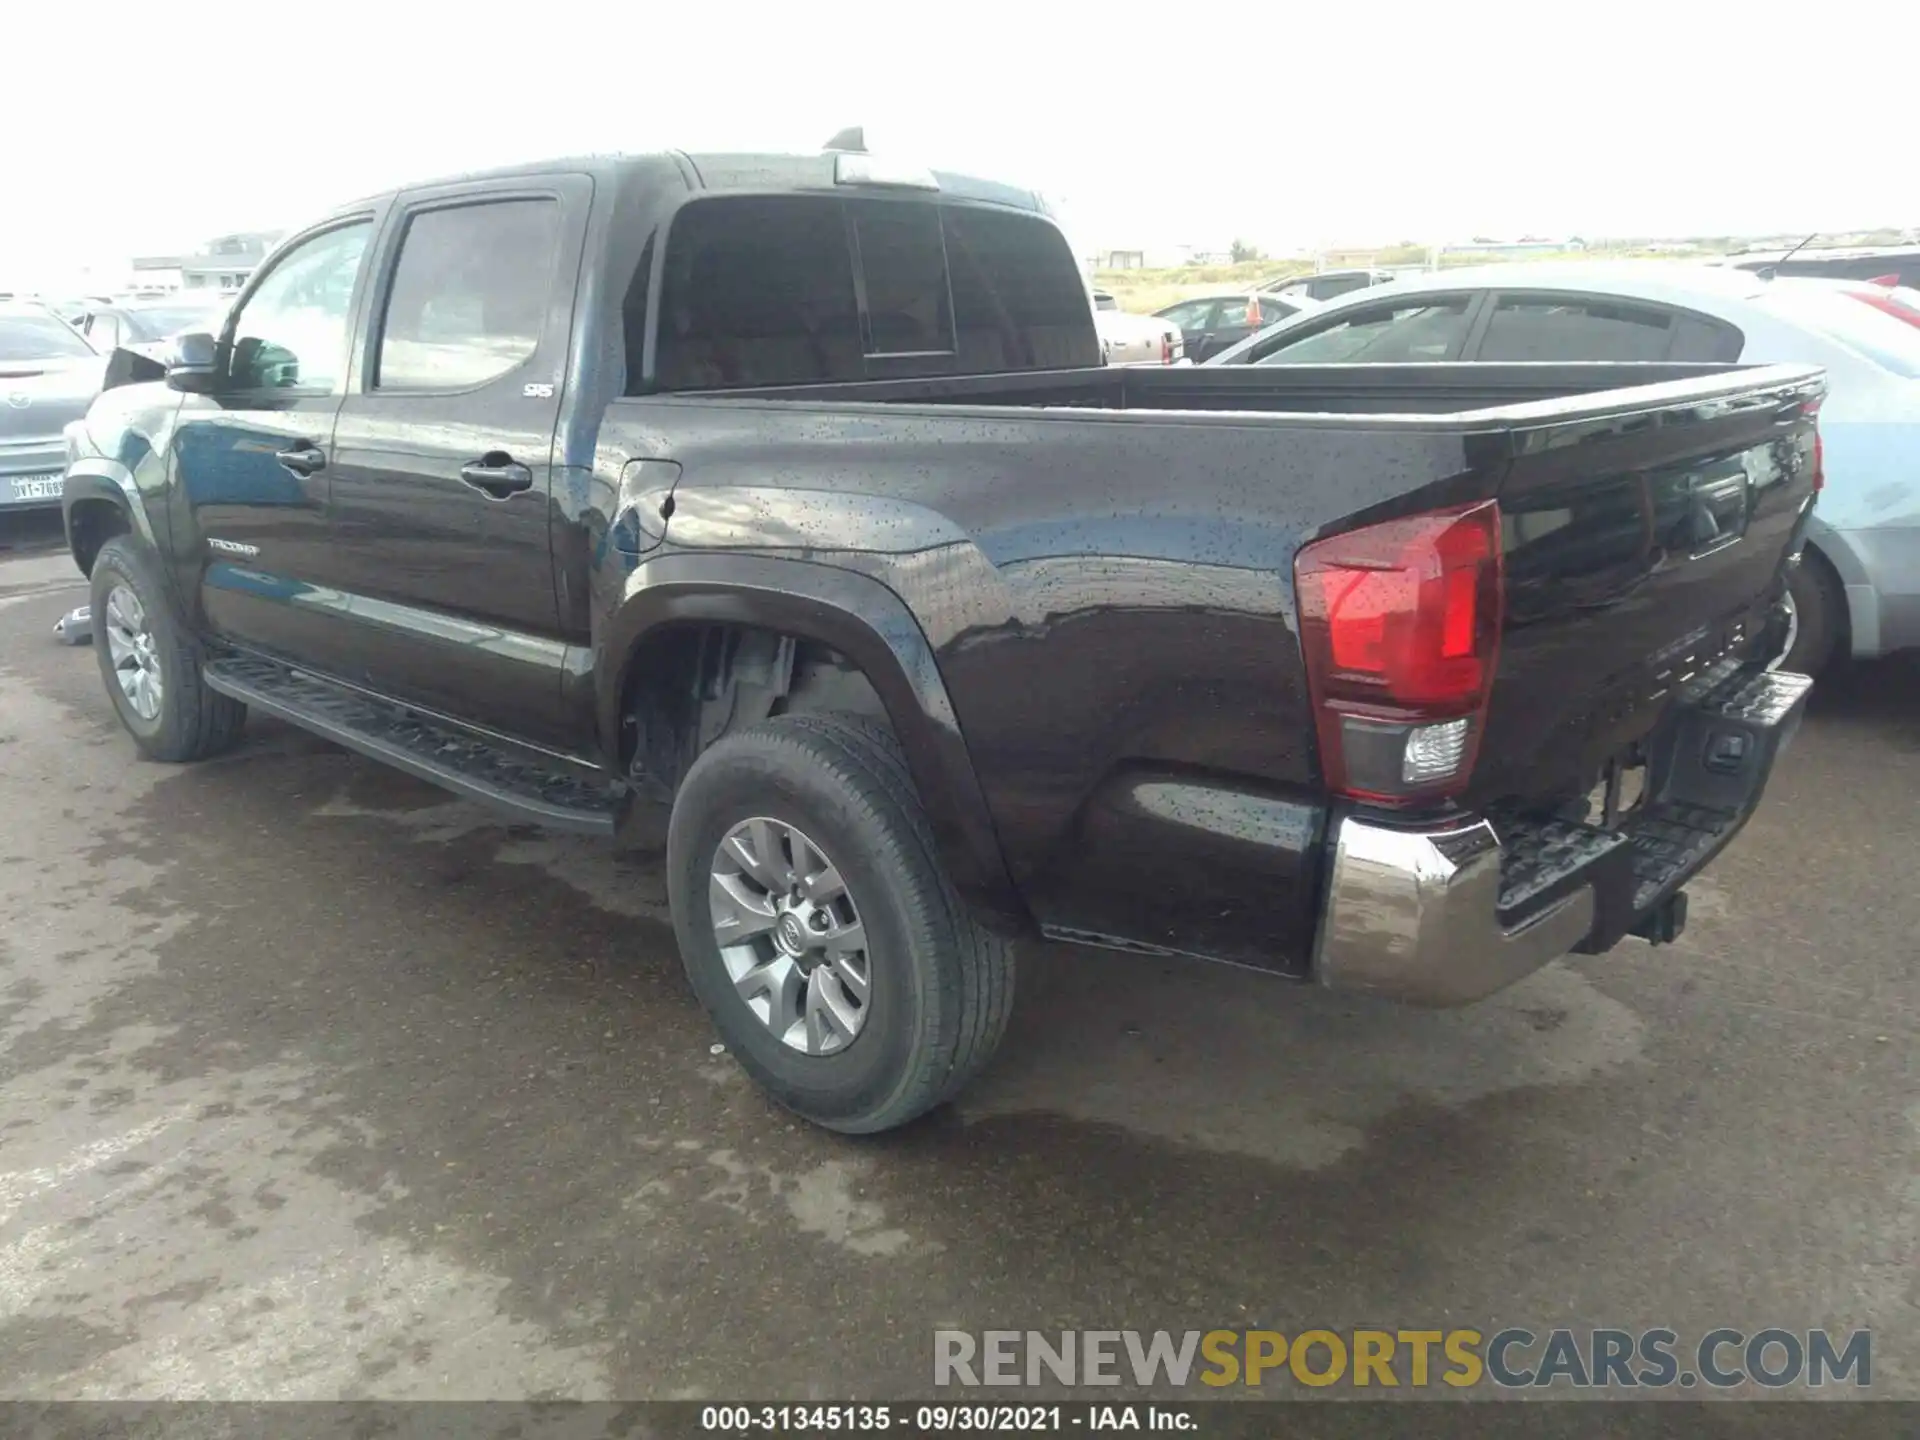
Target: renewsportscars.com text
1511,1358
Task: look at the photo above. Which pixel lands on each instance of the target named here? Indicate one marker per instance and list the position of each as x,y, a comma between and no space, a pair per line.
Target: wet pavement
314,1082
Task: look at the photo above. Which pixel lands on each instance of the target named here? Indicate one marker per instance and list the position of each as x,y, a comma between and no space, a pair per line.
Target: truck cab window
758,292
1016,293
768,291
469,295
292,332
903,266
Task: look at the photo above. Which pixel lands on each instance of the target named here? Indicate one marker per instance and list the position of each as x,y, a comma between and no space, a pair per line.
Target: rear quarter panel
1109,600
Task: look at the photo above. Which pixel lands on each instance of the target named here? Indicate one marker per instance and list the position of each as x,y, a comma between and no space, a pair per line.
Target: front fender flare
95,477
871,626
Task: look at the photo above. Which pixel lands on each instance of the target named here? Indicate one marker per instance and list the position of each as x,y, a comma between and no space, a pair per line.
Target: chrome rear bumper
1445,915
1413,915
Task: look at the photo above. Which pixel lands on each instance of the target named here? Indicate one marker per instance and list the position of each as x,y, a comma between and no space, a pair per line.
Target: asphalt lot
315,1083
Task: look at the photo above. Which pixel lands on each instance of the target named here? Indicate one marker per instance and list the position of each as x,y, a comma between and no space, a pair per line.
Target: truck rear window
793,290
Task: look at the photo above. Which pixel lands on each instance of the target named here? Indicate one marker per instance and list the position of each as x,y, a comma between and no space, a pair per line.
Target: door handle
306,458
497,474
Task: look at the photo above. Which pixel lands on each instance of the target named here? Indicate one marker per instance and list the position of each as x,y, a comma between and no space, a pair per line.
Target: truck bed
1334,391
1102,561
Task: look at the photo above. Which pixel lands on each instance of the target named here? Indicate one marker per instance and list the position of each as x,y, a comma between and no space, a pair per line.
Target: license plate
37,487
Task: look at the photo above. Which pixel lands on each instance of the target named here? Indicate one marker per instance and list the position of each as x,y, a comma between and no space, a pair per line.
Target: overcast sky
150,127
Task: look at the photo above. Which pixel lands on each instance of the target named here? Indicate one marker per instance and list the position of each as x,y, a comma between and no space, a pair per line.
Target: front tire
150,661
819,931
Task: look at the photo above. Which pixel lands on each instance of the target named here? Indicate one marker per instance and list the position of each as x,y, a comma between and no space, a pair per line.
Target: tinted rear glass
903,265
1017,293
1528,327
39,337
758,292
767,291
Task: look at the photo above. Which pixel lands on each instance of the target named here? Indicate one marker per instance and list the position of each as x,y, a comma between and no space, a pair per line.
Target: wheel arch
99,500
1860,610
863,621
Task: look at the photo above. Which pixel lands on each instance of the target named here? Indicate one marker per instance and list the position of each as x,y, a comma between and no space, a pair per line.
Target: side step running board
496,775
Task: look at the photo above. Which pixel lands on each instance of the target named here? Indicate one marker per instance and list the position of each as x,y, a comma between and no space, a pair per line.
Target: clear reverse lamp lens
1433,752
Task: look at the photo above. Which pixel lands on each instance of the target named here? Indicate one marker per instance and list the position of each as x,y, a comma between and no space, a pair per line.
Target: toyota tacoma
790,492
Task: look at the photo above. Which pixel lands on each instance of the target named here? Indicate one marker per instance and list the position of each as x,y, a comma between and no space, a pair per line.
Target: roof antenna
853,138
1768,272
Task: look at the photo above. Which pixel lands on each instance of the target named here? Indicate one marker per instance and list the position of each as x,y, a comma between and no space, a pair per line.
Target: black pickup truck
790,491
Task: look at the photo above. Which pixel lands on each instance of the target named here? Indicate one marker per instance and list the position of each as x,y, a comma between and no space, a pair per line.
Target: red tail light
1400,623
1166,348
1887,304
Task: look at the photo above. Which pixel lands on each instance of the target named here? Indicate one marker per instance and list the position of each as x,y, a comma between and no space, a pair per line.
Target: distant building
223,263
1158,257
1528,246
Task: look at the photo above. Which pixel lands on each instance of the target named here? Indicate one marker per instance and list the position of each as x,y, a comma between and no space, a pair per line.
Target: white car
1859,583
1128,339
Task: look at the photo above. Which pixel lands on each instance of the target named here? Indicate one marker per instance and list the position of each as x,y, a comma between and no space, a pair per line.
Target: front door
251,460
442,465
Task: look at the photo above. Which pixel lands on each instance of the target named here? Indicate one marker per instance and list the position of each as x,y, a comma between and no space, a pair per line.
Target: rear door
1233,321
1210,339
443,455
1191,317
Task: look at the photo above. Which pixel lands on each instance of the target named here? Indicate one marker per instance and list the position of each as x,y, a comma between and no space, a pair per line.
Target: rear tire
938,985
1819,615
150,661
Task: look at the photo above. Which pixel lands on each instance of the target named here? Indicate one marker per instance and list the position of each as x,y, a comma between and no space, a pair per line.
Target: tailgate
1642,545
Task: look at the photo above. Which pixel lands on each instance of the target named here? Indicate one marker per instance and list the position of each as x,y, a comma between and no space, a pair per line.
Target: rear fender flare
871,626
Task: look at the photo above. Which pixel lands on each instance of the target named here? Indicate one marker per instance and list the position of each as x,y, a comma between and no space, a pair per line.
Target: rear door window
1412,329
1189,316
1556,327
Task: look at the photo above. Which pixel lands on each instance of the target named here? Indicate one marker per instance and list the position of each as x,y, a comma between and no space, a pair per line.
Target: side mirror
194,366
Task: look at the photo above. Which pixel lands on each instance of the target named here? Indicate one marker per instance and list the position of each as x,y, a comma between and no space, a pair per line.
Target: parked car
791,492
48,374
1127,339
1214,322
1899,264
1328,284
145,326
1858,590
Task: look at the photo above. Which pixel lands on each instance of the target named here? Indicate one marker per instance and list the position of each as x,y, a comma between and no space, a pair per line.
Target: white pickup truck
1127,339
